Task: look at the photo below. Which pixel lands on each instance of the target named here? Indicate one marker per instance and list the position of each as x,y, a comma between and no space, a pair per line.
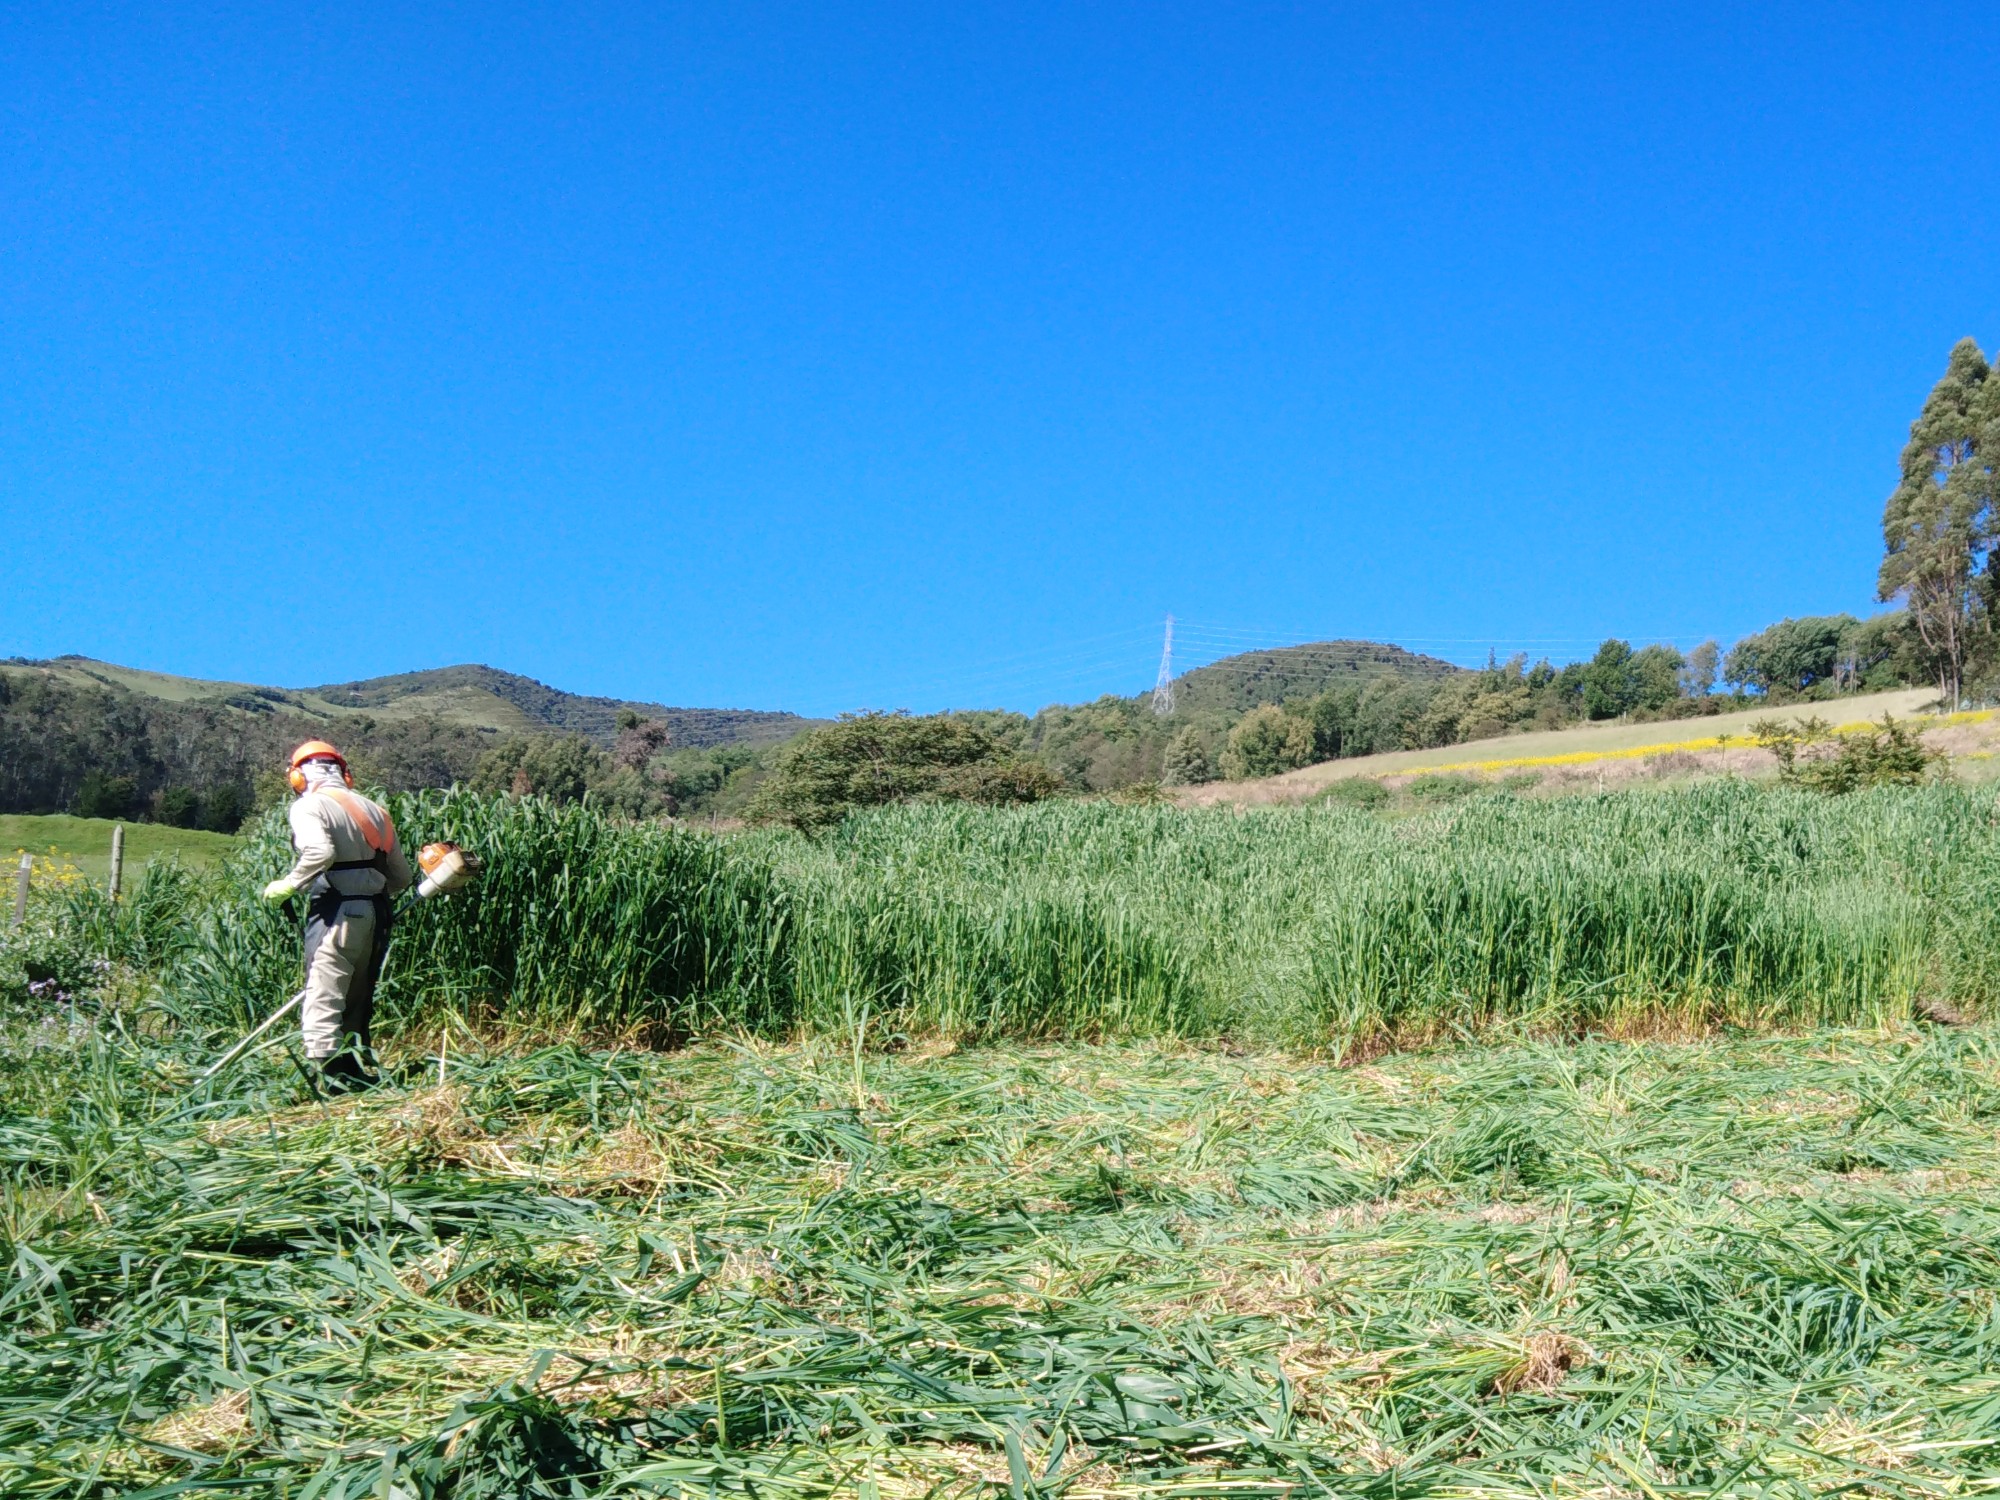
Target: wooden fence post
117,859
21,889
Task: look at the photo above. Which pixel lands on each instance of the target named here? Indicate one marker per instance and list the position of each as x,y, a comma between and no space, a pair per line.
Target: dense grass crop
1329,925
822,1254
1751,1268
580,921
1325,926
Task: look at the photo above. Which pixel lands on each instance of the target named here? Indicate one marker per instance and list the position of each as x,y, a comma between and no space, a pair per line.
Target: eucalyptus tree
1940,525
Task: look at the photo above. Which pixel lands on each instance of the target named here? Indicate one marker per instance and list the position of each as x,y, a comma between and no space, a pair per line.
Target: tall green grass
578,921
1324,926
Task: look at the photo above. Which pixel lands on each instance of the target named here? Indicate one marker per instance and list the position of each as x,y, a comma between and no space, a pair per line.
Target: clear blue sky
925,356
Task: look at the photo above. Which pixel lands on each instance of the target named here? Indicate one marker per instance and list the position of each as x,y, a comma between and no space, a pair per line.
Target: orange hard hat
315,750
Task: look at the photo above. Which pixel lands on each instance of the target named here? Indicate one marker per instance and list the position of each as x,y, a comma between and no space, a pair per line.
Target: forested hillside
106,741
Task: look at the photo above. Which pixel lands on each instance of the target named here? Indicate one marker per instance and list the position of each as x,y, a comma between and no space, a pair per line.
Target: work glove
278,892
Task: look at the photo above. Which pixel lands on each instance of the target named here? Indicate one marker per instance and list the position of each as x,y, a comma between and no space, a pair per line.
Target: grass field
1745,1267
1012,1154
1321,927
86,842
1583,742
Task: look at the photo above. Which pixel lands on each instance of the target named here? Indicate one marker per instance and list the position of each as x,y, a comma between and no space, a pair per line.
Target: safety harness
380,832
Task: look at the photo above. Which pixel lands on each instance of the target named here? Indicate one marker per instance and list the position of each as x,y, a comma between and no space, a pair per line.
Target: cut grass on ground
1746,1267
87,842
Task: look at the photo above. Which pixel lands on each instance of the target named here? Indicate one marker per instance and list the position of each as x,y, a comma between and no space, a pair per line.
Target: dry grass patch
216,1427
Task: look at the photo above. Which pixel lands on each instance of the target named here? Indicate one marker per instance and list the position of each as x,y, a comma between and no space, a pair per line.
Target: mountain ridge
473,695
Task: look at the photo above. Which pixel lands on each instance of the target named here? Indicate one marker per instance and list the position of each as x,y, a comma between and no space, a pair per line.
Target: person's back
349,865
347,841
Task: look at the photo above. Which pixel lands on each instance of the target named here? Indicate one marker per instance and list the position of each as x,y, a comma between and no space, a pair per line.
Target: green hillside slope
1239,683
86,843
469,696
95,738
1116,741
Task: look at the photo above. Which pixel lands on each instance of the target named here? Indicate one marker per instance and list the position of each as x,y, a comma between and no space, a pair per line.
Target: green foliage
1884,651
1657,669
558,769
1443,788
1233,687
1943,519
869,760
1264,742
1785,738
719,780
1890,756
177,807
102,796
56,734
1794,656
1699,669
1610,687
566,770
1361,792
1186,762
225,807
1619,679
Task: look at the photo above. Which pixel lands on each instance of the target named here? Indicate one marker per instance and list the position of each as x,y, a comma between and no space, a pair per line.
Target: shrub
102,796
1890,756
559,769
225,807
177,807
1442,788
1186,762
1357,791
1264,742
868,760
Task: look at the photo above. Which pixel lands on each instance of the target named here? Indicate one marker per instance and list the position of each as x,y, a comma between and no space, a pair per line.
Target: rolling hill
471,697
1237,684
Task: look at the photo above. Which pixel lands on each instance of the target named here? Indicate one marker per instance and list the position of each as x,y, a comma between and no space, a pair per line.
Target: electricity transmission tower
1163,690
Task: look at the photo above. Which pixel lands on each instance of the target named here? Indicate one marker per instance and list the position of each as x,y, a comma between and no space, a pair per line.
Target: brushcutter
446,868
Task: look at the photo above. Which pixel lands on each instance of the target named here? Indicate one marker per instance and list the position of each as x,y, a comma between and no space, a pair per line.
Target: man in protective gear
349,866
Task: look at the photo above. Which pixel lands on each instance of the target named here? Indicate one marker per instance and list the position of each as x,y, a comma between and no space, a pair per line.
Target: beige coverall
348,910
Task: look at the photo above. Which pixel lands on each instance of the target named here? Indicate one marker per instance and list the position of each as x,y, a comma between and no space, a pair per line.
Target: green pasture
86,842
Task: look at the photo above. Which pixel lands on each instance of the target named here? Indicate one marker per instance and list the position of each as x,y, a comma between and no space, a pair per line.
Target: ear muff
296,778
295,774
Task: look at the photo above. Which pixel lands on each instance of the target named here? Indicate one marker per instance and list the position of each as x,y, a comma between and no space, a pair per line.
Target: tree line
105,752
1795,660
109,753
